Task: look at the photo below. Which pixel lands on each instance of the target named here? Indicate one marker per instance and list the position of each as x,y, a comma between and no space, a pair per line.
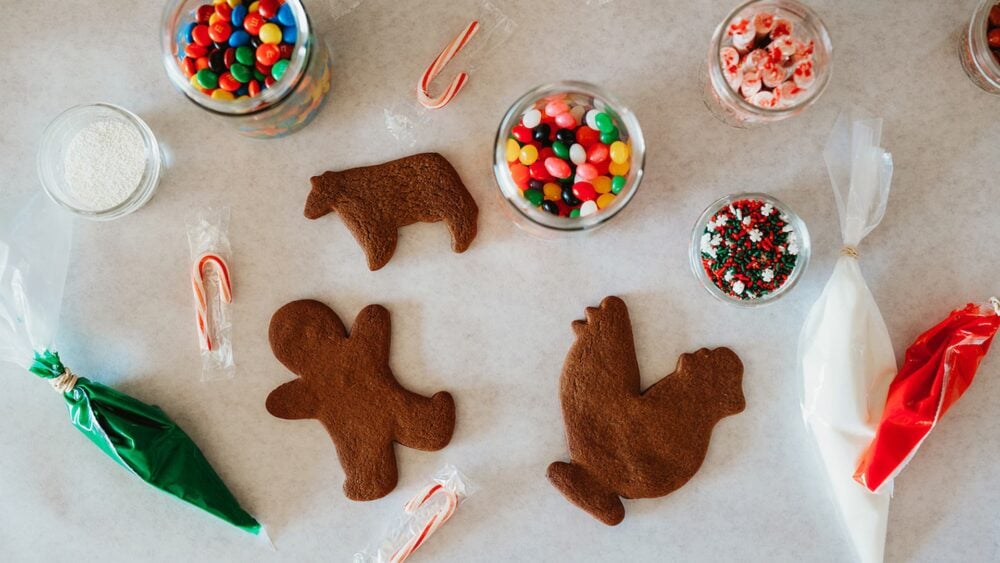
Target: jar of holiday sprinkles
255,64
768,60
749,249
568,158
99,161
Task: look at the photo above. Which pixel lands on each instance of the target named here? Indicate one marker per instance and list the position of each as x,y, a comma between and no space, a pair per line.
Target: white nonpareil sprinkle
104,163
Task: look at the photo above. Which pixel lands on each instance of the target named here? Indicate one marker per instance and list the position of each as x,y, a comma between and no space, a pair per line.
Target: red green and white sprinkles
749,249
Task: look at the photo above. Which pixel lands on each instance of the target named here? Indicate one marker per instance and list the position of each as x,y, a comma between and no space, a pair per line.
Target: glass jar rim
543,219
721,85
173,15
801,263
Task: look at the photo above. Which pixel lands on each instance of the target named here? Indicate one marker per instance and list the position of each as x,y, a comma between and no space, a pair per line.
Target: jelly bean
568,197
253,22
220,31
993,38
245,55
542,133
618,169
588,208
584,191
574,213
228,83
268,8
286,16
535,184
268,54
217,62
558,167
534,196
552,192
200,35
586,172
195,50
269,81
519,173
240,72
566,136
529,154
221,94
279,68
253,88
560,149
531,118
604,122
598,152
521,133
619,152
512,150
207,78
238,15
239,38
591,118
605,200
545,152
617,184
551,207
555,107
608,137
270,33
577,154
538,170
224,11
289,34
204,12
602,184
565,119
578,113
602,167
587,136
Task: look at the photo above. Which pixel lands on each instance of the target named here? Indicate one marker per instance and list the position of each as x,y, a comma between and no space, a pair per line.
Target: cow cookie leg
370,467
583,490
462,226
426,424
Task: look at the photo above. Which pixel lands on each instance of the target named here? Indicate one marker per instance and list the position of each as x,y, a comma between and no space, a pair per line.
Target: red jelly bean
268,8
538,171
522,133
602,167
557,167
584,191
189,67
587,136
252,23
993,38
220,31
204,13
195,50
228,83
229,57
545,153
598,152
201,36
563,208
253,88
268,54
224,10
519,173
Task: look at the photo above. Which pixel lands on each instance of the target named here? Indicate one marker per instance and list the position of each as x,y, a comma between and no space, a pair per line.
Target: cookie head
722,369
326,188
303,333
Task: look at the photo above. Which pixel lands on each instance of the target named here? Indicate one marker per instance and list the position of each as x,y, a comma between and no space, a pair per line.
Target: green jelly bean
574,213
279,68
534,196
608,137
207,79
560,149
617,184
604,122
240,72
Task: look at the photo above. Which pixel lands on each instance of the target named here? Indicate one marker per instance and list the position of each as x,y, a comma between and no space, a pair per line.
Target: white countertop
493,325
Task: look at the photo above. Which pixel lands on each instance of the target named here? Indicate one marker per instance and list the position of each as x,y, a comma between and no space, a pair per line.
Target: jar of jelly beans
256,64
768,60
568,158
980,46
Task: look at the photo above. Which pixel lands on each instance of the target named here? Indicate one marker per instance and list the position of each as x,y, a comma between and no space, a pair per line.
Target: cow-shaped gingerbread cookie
345,382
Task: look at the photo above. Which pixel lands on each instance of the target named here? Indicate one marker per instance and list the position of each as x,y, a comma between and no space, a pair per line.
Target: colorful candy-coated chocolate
201,36
279,68
239,14
239,38
221,94
195,50
229,57
289,35
529,154
245,55
224,10
203,13
268,8
584,191
253,22
558,167
217,61
188,67
617,184
220,31
285,15
241,73
270,33
253,88
605,200
228,83
268,54
207,79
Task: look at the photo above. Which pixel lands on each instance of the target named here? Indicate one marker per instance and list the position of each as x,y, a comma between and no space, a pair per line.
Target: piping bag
845,356
940,365
35,239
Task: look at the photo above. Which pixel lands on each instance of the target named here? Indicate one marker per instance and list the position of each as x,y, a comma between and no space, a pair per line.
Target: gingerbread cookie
628,443
375,201
345,382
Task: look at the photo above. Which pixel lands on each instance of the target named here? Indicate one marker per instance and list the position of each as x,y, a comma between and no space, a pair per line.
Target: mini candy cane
201,296
433,523
449,52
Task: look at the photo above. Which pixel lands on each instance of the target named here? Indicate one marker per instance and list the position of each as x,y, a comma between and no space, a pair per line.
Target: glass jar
57,140
768,103
287,106
979,61
578,97
791,243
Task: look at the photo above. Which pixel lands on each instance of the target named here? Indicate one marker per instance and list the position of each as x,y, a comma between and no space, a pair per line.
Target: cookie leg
370,465
426,424
583,490
376,237
462,226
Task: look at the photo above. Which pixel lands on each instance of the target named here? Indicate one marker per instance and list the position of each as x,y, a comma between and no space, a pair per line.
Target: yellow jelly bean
552,191
513,150
252,8
270,33
529,154
619,152
605,200
602,184
220,94
618,168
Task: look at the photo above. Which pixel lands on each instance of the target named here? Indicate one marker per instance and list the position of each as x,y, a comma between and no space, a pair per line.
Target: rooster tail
584,490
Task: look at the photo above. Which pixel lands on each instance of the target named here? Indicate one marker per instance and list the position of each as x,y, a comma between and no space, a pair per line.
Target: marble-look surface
493,325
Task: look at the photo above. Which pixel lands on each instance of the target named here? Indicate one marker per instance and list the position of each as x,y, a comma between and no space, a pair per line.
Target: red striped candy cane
433,523
449,52
201,297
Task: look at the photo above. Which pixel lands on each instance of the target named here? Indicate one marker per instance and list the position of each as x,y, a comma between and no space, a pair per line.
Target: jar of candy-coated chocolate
768,60
568,158
264,92
981,62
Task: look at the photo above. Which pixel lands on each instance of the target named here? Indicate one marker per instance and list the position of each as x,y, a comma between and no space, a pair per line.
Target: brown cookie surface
345,382
624,442
375,201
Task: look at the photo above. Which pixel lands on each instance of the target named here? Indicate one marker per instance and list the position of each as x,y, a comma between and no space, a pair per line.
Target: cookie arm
372,329
292,401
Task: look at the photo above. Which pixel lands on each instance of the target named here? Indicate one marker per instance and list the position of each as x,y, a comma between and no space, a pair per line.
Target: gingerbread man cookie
345,382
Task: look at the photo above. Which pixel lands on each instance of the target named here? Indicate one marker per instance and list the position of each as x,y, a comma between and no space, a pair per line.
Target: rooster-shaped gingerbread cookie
624,442
345,382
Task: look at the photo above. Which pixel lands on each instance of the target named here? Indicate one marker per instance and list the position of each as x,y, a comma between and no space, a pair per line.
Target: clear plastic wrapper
428,510
208,239
845,356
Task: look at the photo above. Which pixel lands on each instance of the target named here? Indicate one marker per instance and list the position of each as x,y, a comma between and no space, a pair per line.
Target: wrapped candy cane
423,515
201,296
208,238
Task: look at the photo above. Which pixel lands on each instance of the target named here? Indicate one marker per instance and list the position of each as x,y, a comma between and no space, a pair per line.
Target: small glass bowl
978,59
801,262
56,140
537,221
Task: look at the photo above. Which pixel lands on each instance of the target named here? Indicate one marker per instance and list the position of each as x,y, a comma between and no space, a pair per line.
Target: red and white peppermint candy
803,75
743,34
763,23
751,83
781,27
764,99
449,52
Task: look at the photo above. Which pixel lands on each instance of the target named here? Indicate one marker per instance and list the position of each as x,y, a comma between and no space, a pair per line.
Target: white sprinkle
755,235
767,275
104,163
738,287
